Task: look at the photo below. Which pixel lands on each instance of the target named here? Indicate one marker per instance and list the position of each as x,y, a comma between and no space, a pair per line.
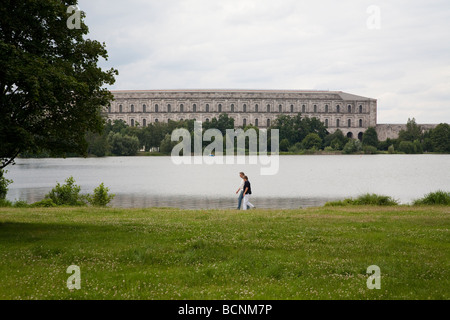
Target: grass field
316,253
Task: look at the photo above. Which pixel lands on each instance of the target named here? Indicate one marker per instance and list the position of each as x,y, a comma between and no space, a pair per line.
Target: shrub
100,198
434,198
375,200
44,203
20,204
284,145
408,147
312,141
365,200
5,203
67,194
4,184
391,149
352,146
370,150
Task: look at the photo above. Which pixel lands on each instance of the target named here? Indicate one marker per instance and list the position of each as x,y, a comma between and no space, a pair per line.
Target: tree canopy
51,87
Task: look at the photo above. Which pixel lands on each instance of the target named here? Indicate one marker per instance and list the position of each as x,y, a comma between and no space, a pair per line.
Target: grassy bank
318,253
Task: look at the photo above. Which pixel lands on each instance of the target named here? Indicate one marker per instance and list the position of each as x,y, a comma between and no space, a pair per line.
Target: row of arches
244,108
266,122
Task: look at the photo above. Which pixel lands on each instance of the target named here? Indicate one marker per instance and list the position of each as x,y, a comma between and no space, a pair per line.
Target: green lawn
317,253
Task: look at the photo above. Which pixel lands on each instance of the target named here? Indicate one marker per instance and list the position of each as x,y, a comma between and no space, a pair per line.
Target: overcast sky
284,44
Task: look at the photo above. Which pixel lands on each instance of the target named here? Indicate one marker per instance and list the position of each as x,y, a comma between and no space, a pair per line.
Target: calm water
302,181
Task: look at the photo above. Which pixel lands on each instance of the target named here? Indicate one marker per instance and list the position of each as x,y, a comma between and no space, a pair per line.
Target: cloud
286,44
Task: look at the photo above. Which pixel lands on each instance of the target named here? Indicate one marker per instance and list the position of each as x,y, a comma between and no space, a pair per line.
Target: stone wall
392,131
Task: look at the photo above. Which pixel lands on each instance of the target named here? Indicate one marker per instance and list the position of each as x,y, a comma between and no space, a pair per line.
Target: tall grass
434,198
365,200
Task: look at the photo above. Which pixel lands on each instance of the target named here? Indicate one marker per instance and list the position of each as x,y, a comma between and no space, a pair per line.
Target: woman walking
247,192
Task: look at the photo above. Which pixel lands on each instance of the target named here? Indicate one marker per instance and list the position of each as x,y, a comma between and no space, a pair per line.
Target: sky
396,51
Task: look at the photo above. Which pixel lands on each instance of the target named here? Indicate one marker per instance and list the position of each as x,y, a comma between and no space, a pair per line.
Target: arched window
349,109
144,108
256,122
292,108
194,108
156,120
338,123
280,108
232,107
360,123
207,119
350,135
132,122
144,122
268,123
360,109
120,108
315,108
349,124
268,108
244,108
156,110
338,108
360,136
207,108
132,108
169,108
303,108
256,108
244,122
220,108
326,122
326,108
181,108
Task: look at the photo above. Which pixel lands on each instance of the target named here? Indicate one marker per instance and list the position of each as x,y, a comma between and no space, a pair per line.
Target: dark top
247,185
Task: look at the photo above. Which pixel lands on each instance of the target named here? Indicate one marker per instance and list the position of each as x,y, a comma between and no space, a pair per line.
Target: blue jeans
240,199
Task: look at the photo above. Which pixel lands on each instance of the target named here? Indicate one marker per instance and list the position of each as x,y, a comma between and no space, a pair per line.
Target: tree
167,144
284,145
123,145
440,138
413,131
336,140
51,88
370,137
311,141
352,146
3,184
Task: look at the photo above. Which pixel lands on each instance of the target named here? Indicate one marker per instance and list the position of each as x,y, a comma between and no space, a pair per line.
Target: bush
44,203
5,203
391,149
370,150
296,148
284,145
4,184
101,198
21,204
365,200
67,194
312,141
434,198
352,146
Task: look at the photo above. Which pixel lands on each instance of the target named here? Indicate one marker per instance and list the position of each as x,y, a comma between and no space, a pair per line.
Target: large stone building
350,113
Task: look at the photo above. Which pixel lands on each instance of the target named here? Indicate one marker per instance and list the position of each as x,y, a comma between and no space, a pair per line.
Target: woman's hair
245,178
241,173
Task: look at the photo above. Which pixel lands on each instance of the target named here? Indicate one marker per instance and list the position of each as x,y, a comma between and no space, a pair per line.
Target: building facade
350,113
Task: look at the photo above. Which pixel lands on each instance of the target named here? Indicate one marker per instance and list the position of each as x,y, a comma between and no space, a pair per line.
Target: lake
302,181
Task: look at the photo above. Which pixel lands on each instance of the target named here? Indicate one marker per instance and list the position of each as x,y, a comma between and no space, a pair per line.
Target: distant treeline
298,135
